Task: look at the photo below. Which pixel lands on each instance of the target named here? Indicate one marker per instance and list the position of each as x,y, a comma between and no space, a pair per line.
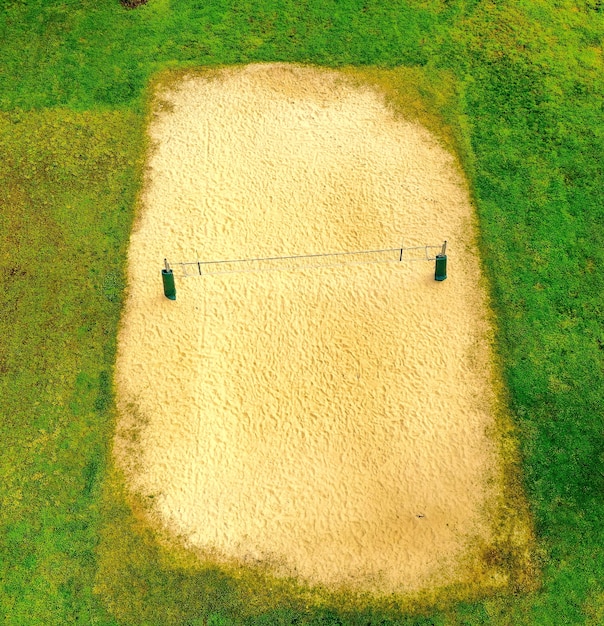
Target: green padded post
440,271
169,286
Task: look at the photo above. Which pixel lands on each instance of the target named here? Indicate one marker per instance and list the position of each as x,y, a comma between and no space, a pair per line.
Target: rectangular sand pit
333,423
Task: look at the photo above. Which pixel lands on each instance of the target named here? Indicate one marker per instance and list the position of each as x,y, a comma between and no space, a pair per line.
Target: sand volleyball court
331,423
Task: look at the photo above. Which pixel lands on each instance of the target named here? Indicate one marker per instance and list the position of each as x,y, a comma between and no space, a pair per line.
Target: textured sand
331,422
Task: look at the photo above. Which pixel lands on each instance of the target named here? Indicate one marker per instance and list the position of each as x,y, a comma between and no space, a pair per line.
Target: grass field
516,87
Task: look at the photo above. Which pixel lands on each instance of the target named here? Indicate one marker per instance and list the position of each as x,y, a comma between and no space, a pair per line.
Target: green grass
68,182
516,87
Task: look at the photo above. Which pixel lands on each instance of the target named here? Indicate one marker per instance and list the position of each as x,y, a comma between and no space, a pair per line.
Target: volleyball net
306,261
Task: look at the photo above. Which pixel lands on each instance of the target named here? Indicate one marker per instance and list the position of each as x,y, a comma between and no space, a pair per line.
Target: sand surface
330,422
